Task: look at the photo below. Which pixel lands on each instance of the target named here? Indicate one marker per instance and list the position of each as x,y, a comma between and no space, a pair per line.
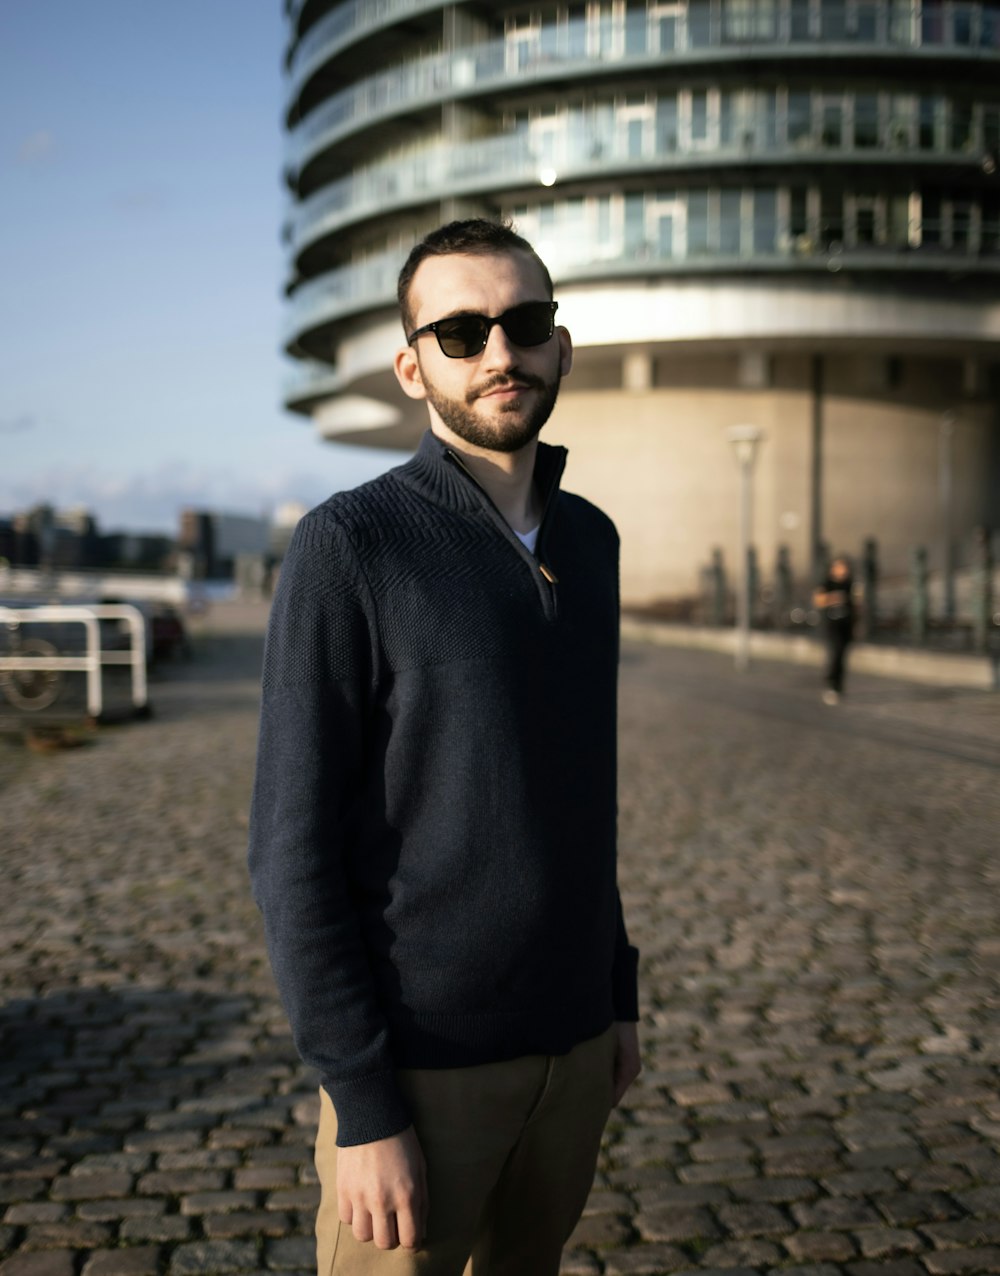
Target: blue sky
141,265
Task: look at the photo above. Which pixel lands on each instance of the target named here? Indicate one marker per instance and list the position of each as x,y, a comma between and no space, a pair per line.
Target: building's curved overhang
664,318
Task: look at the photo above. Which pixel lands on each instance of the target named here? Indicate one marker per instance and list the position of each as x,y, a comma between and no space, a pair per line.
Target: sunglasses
529,324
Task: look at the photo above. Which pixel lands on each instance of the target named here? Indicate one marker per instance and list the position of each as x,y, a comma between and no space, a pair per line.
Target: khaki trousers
511,1150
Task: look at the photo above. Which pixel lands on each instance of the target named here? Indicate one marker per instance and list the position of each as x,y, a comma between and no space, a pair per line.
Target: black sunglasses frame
487,324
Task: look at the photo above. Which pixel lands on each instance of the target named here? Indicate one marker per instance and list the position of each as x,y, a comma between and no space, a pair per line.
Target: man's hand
382,1191
627,1065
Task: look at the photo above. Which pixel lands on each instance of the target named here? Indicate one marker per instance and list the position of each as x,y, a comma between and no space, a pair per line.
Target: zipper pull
549,575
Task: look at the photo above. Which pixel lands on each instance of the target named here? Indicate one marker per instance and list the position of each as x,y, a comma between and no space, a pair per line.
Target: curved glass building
783,213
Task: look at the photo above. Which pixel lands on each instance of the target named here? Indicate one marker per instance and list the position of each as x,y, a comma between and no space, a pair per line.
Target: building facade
783,213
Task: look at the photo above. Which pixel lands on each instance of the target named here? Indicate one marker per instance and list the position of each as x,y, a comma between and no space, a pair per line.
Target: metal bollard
869,589
717,596
982,589
782,588
918,597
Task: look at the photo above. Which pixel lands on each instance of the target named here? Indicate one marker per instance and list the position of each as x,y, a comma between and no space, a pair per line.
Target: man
836,600
433,825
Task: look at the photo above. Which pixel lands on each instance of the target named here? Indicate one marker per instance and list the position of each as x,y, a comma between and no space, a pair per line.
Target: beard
512,428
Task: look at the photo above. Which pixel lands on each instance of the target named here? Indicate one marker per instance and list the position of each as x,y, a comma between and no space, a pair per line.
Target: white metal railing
91,662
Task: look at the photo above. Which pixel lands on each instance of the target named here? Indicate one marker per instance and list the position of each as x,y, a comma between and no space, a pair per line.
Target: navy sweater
432,838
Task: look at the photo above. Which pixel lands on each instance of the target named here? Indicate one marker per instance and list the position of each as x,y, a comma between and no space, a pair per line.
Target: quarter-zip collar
432,472
440,474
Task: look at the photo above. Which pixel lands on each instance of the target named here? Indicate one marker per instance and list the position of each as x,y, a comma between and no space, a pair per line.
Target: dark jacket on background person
432,838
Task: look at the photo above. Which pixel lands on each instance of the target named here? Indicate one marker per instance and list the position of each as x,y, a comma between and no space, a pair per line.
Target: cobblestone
815,894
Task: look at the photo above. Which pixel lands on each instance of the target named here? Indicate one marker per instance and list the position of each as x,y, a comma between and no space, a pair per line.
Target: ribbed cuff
368,1108
625,985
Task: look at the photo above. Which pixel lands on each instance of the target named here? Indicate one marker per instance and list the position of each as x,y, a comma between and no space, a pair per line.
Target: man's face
498,399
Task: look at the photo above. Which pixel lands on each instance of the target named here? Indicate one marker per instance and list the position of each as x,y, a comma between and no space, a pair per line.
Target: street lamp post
945,437
744,439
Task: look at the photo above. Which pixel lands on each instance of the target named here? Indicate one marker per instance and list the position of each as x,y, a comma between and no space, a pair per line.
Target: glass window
864,21
729,222
832,124
899,220
765,220
930,219
635,231
699,115
666,29
902,114
665,236
927,123
931,22
603,37
961,224
697,223
833,20
990,238
991,128
768,104
635,133
699,23
737,20
798,216
728,127
961,126
635,28
744,20
866,120
864,225
901,21
961,28
799,115
800,20
576,31
603,219
666,122
831,218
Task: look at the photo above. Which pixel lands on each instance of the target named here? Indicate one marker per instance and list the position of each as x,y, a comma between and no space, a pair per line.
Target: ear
565,350
407,369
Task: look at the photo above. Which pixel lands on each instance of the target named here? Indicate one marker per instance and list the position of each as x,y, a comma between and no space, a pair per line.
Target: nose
499,353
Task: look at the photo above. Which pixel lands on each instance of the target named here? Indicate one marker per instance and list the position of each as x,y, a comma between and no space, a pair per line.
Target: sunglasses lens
462,336
530,324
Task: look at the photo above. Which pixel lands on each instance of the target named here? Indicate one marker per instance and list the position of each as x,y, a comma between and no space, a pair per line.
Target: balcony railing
342,26
371,284
571,48
582,151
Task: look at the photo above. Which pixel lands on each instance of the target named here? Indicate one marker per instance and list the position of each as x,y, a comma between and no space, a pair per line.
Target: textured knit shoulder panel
319,631
446,584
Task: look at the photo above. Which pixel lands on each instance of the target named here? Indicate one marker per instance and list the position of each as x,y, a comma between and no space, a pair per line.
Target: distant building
777,212
70,540
209,544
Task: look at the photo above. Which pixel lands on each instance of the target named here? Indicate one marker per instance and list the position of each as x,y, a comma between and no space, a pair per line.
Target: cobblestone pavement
815,892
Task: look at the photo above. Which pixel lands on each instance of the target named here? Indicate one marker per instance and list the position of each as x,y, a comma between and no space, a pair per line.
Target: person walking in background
835,598
432,839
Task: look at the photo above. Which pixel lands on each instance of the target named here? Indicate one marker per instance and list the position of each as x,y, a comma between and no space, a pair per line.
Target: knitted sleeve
625,969
317,680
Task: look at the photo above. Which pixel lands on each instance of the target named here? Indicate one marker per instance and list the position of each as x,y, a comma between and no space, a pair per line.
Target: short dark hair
477,236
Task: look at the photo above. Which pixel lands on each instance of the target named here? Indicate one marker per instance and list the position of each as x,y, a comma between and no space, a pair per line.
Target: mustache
518,380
